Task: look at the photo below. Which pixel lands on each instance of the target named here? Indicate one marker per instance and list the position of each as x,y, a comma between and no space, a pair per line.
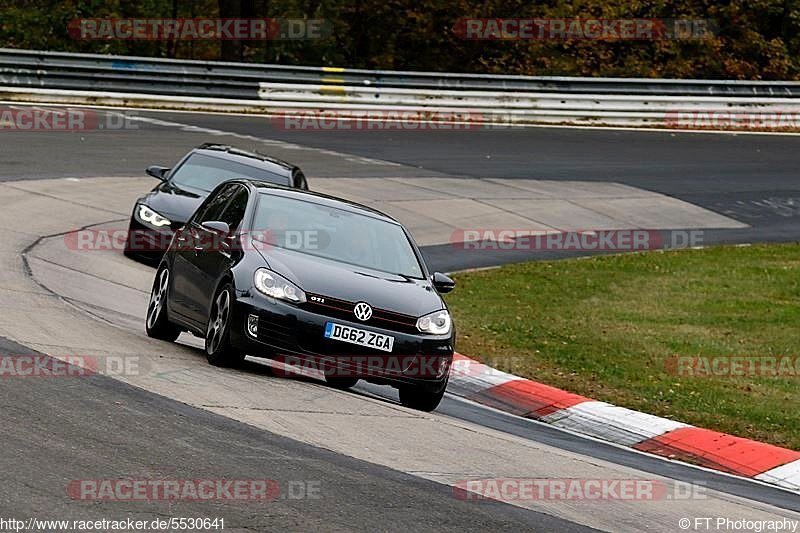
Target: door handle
195,239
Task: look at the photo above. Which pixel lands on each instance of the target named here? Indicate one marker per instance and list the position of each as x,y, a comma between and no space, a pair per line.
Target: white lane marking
269,142
44,110
473,376
293,370
612,423
786,476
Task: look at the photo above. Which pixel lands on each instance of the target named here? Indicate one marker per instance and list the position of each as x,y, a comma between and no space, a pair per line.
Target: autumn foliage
756,39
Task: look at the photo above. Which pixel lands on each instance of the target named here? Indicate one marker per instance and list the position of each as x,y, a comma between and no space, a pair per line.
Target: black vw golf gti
271,271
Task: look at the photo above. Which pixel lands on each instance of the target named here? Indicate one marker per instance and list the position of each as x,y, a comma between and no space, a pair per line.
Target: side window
212,210
234,213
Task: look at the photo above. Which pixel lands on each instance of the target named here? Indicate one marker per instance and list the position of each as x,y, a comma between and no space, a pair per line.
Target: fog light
252,325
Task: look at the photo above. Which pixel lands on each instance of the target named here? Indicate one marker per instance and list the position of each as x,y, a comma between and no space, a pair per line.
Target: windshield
336,234
205,172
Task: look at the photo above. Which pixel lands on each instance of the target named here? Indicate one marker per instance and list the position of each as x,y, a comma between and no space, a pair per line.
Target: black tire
422,397
341,383
157,322
219,351
336,381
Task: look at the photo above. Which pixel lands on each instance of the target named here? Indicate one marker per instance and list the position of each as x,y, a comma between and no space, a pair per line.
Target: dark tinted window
234,213
212,210
204,172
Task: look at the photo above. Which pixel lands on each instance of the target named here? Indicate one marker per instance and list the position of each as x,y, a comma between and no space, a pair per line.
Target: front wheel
158,325
219,351
422,397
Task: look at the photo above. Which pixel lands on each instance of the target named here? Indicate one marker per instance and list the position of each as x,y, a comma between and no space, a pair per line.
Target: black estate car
169,205
306,278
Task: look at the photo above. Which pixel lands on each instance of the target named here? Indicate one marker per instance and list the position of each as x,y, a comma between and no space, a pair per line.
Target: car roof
318,198
253,159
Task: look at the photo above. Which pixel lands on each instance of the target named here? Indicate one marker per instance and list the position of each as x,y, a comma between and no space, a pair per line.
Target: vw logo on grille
362,311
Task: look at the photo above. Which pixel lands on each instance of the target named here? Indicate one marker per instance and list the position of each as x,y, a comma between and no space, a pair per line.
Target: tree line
751,39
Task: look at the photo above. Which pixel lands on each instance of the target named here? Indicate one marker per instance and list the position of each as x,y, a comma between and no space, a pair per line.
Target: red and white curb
648,433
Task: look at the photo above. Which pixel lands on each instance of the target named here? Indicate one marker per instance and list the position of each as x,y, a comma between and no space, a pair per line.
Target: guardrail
138,81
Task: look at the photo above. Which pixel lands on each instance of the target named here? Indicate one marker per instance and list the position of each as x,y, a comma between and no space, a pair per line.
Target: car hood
175,203
415,297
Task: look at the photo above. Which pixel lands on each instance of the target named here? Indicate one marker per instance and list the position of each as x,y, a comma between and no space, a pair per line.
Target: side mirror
442,283
158,172
215,226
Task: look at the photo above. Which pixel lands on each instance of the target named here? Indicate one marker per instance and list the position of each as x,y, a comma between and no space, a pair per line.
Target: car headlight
151,218
276,286
437,323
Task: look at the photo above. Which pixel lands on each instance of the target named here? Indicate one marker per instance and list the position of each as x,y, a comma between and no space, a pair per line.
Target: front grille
343,309
276,330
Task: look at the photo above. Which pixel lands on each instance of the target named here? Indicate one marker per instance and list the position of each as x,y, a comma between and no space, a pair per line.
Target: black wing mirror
442,283
158,172
215,226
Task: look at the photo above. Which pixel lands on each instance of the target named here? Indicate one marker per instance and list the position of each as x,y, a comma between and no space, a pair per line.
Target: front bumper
294,335
147,242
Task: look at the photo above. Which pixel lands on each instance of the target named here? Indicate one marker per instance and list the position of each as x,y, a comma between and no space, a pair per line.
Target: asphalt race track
377,465
104,428
749,177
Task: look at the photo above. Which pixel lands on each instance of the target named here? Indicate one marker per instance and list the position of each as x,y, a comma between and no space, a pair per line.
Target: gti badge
362,311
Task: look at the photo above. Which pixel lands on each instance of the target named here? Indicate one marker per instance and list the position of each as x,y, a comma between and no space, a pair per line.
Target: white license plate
361,337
